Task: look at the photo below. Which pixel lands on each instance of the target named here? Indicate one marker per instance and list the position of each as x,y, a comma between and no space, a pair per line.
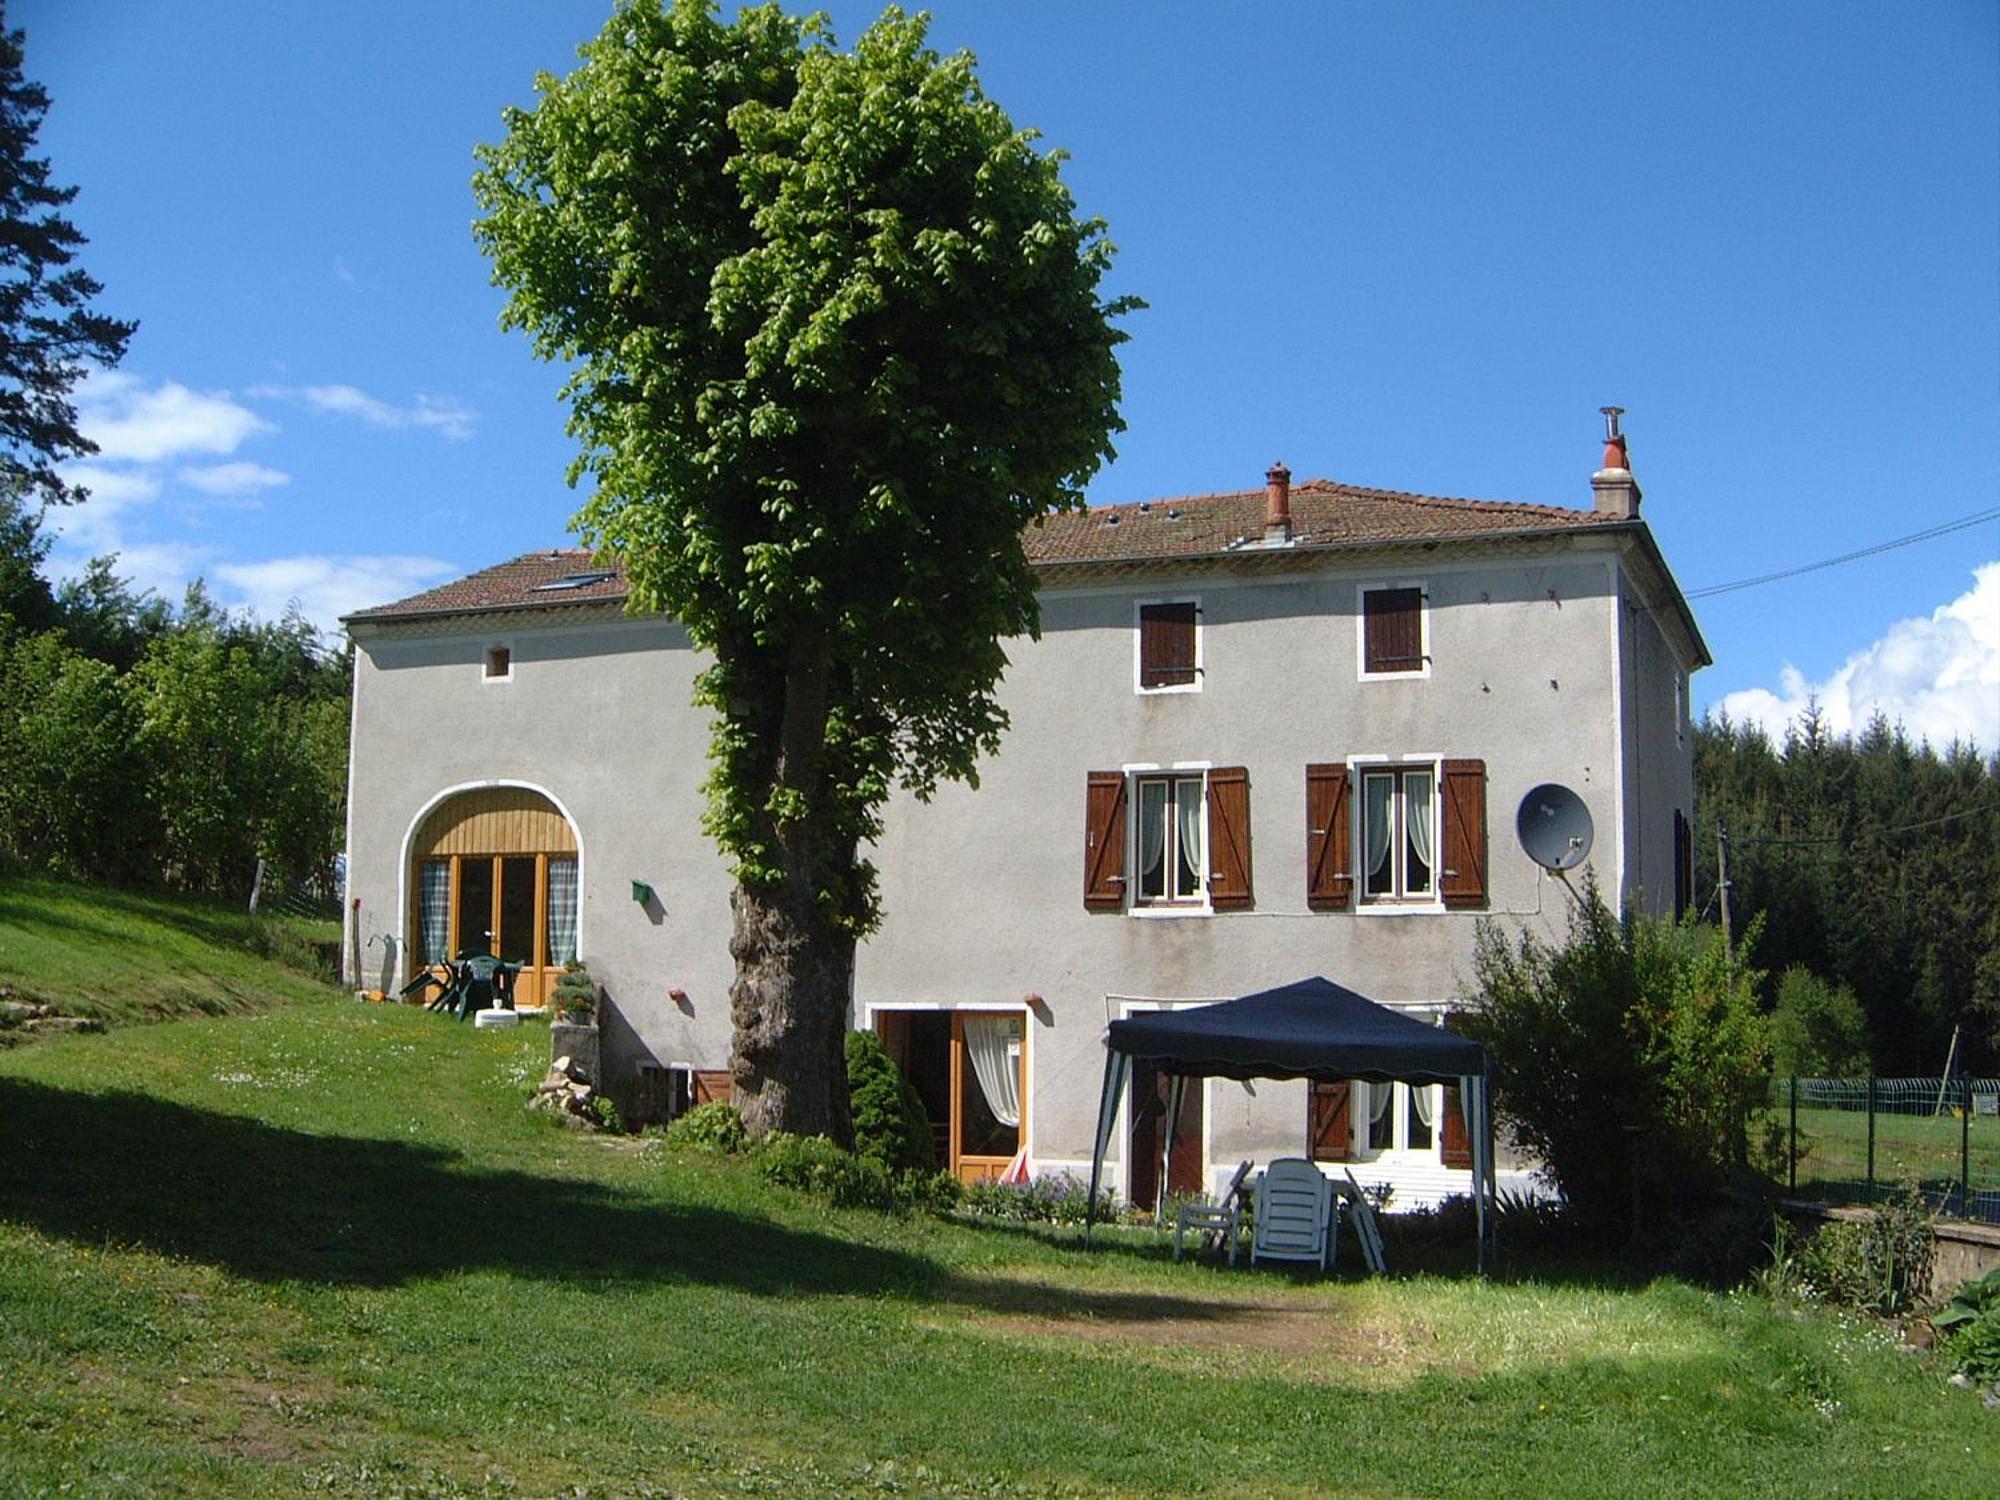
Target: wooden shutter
1104,842
1166,645
1229,838
1329,883
1464,881
1392,630
1454,1143
1330,1121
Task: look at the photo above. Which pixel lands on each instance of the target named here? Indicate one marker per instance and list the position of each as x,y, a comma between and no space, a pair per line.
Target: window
1169,647
1188,846
1392,632
1399,834
1402,1117
1171,863
499,663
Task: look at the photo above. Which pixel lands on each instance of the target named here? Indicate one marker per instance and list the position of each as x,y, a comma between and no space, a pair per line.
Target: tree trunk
793,990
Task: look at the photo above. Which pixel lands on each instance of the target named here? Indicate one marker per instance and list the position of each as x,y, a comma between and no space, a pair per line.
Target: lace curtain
1377,822
1188,808
993,1043
1152,838
1417,815
562,910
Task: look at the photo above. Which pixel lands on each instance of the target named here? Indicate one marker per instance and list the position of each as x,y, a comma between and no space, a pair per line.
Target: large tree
47,327
835,336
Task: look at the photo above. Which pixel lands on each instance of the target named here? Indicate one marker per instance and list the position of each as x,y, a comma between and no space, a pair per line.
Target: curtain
434,908
1188,808
993,1043
1376,824
1417,816
1422,1098
562,910
1152,838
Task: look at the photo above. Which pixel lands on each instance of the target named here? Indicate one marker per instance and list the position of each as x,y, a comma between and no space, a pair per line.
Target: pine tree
47,327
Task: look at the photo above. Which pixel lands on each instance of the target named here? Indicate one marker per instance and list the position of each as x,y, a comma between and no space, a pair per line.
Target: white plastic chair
1219,1222
1295,1214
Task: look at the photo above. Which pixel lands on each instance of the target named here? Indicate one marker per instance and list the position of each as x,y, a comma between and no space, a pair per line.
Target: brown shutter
1454,1145
1330,1121
1329,883
1464,833
1166,645
1392,630
1104,842
1229,838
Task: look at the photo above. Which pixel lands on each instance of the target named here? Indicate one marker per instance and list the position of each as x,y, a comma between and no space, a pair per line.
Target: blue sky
1408,246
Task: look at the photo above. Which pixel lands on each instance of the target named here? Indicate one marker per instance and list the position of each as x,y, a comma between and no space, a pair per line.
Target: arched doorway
495,869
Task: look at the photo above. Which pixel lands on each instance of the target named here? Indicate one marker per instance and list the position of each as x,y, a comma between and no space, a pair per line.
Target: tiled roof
519,584
1323,514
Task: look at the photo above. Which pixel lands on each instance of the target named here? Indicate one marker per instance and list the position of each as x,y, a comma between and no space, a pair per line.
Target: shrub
1817,1029
1057,1199
1971,1323
890,1126
814,1164
1636,1042
607,1114
1880,1265
709,1127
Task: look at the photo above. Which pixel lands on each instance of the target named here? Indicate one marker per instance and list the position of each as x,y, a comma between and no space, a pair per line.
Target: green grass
1833,1149
129,956
325,1250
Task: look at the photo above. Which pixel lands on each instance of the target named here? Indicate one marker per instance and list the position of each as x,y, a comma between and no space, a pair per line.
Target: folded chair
1219,1223
1295,1214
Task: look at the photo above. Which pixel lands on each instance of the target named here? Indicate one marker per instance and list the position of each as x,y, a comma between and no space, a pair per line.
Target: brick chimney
1614,492
1278,503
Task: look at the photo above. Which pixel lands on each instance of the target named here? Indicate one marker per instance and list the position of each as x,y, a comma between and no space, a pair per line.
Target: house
1264,735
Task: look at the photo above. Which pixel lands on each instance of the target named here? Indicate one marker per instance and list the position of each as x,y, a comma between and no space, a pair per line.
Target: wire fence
1856,1140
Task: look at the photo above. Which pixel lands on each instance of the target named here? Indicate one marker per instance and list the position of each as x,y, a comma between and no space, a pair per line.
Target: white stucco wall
1531,672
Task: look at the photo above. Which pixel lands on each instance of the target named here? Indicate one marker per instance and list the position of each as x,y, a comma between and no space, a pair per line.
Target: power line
1846,557
1837,838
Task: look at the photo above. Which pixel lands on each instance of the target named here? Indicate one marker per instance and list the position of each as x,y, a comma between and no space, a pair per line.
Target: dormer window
1394,633
499,663
1169,646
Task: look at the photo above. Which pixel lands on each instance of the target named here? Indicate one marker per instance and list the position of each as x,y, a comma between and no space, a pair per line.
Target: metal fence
1855,1140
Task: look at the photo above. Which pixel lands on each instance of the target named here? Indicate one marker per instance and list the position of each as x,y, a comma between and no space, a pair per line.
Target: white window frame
486,674
1359,768
1156,908
1139,606
1401,1109
1380,586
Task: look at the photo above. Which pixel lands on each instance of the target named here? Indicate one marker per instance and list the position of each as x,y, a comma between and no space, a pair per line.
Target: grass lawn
1833,1150
323,1249
129,956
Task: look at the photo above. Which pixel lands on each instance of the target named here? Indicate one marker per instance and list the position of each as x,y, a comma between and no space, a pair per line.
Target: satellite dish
1554,827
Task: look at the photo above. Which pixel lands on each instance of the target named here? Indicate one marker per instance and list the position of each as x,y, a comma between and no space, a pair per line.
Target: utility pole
1722,880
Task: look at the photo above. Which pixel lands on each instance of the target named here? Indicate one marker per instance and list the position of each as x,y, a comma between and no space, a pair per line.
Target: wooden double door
1151,1096
974,1142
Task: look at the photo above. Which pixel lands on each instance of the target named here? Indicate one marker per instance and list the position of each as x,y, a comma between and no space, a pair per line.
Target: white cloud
1939,677
326,586
113,489
239,478
130,421
445,415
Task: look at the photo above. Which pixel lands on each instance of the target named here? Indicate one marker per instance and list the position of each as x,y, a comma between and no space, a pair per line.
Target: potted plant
576,995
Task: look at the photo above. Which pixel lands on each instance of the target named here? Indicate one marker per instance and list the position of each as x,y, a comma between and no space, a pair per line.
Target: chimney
1614,492
1278,503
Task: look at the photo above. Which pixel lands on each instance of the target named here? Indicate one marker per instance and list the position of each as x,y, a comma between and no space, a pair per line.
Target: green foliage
1818,1030
48,332
890,1126
1055,1199
1870,860
72,777
1880,1265
25,597
709,1127
575,993
834,337
1971,1323
607,1114
814,1164
1635,1041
